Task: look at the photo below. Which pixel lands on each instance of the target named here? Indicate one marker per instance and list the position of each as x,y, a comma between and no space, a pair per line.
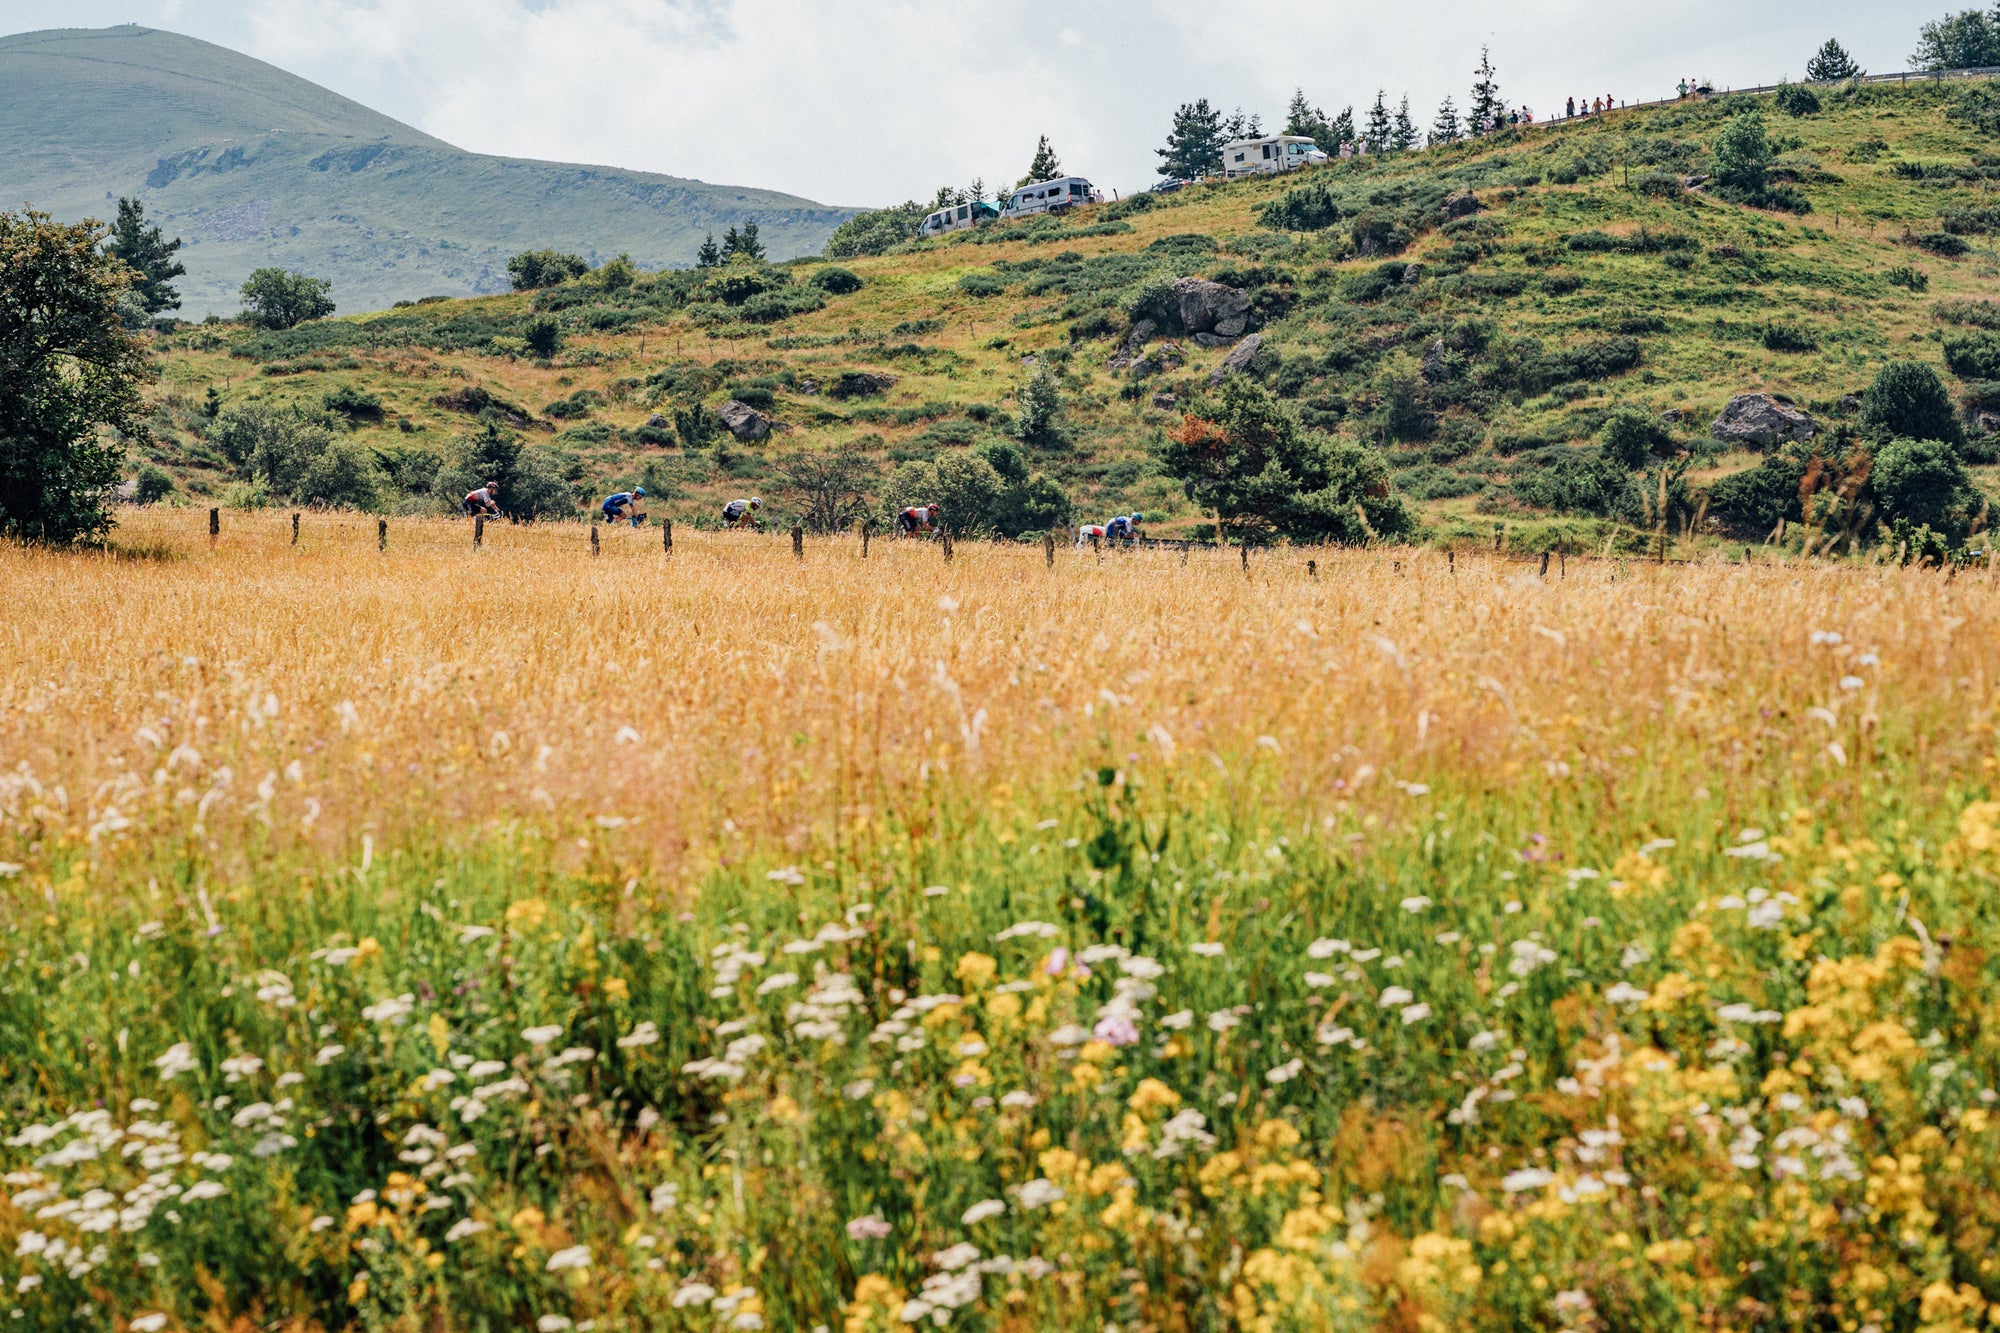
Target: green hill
253,166
1470,316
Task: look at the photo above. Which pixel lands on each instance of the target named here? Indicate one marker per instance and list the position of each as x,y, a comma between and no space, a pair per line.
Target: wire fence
1905,77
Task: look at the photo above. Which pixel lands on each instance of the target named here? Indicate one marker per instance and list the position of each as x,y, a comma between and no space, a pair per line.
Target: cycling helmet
639,492
755,503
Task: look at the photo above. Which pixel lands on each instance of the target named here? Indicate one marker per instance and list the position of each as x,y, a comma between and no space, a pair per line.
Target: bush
1379,233
1795,99
1040,419
276,299
1631,436
1922,482
1908,401
1940,243
268,445
981,284
1971,220
836,281
542,337
1743,155
1903,275
873,233
1788,336
1973,356
770,307
1311,207
1660,184
1750,503
534,269
152,485
344,476
353,403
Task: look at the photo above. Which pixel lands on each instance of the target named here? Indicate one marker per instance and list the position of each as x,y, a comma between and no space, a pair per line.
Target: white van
1056,196
1264,157
958,218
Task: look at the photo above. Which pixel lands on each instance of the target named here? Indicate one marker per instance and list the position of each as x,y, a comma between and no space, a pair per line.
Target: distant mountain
253,166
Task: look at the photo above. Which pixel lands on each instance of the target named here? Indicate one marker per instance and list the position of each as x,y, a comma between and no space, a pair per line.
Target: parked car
1169,185
1056,196
1266,156
958,218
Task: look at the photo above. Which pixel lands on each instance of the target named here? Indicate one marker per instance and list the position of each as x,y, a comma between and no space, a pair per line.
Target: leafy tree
67,368
710,254
344,476
272,446
1908,400
616,274
1968,40
1040,418
836,281
1194,143
147,252
695,426
1485,111
1379,132
535,481
1922,482
152,485
278,299
532,270
975,193
873,233
1045,167
1631,436
1832,64
1446,129
1404,136
1028,501
1743,155
742,244
831,484
1796,99
1245,456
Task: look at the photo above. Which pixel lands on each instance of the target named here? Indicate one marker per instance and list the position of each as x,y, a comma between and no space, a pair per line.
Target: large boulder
1762,421
1207,306
744,421
1238,360
1136,338
1463,204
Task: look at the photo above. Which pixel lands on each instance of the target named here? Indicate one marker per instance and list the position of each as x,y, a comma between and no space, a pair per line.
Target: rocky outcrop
860,384
1436,365
1127,356
1762,421
1212,308
1165,401
743,421
1238,360
1461,205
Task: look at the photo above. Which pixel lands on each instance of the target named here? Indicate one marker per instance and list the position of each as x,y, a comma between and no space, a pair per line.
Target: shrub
542,337
1097,324
1750,503
1921,482
1971,220
1905,275
268,445
873,233
1908,401
836,281
352,402
1380,233
1591,242
1788,336
981,284
1660,184
1040,419
1973,356
772,306
1311,207
1630,437
1940,243
152,485
1743,155
534,269
344,476
1795,99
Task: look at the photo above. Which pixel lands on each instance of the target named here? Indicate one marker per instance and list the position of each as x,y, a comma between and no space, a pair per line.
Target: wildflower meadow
424,939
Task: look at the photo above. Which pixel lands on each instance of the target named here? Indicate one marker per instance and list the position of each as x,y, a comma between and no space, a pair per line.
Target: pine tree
1045,167
1378,133
1302,117
1194,144
710,254
1341,129
1832,64
744,243
1445,129
1405,136
147,252
1486,111
975,193
1242,126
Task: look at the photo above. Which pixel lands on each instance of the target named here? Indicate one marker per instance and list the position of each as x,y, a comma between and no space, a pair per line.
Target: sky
868,102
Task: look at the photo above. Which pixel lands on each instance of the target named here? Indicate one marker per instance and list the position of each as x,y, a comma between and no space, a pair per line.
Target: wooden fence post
478,531
295,529
1244,552
947,546
1562,563
1184,551
381,534
1312,570
593,538
214,525
667,535
1451,563
867,531
1096,545
798,541
1544,571
1049,549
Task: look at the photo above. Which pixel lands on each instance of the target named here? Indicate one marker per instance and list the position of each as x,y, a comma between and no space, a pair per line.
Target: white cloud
868,101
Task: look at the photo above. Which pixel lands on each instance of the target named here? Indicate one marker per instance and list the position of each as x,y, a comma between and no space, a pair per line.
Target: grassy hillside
254,166
1585,279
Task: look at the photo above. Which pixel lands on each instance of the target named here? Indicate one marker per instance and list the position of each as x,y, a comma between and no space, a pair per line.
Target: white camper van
958,218
1263,157
1056,196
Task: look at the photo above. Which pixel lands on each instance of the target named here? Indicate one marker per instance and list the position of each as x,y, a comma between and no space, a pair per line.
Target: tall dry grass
729,694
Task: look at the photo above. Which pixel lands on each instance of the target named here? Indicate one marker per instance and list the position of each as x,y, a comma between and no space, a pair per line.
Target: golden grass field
427,939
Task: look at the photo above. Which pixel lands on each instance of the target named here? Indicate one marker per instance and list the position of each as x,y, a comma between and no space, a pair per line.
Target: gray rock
1672,414
1206,304
1238,360
1127,355
1413,274
1165,401
1463,204
1210,340
1850,403
1988,423
1435,368
1234,327
1761,421
743,421
1141,334
657,421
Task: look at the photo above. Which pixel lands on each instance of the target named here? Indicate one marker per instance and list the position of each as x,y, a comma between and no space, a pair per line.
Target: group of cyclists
916,521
